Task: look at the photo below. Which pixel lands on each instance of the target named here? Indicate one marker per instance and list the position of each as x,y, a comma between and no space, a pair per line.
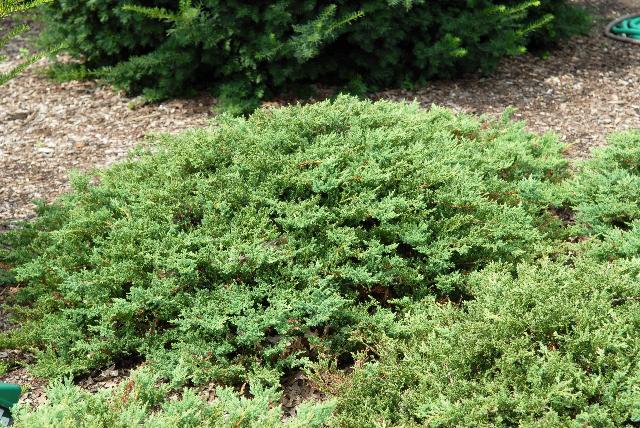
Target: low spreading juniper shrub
554,343
246,51
142,401
431,248
605,197
552,346
242,250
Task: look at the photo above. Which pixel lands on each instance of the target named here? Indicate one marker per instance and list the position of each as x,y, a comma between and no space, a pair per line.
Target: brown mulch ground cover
586,89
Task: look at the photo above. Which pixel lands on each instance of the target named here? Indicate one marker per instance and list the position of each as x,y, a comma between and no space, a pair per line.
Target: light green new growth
8,7
186,11
141,402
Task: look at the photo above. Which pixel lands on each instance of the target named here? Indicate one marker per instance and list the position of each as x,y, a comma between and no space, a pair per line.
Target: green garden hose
626,29
9,395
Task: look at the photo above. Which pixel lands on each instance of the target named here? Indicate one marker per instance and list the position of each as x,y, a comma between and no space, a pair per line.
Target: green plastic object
9,395
626,29
629,27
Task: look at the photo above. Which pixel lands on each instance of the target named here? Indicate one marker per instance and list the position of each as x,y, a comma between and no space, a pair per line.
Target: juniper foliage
412,261
242,250
552,346
141,401
555,344
604,196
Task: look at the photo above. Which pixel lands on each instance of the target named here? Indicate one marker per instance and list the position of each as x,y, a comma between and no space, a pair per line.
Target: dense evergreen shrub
605,196
426,269
256,244
553,346
249,50
142,401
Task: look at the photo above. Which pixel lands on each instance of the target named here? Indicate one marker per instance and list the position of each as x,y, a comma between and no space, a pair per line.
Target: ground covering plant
141,402
549,346
424,268
247,51
553,344
605,197
255,244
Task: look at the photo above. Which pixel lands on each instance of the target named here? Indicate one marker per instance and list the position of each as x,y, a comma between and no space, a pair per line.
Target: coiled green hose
626,29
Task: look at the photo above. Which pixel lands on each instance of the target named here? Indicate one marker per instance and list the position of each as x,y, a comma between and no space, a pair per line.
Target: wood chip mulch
49,129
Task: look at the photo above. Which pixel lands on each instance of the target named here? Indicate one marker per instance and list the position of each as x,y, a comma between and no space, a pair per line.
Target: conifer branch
8,7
